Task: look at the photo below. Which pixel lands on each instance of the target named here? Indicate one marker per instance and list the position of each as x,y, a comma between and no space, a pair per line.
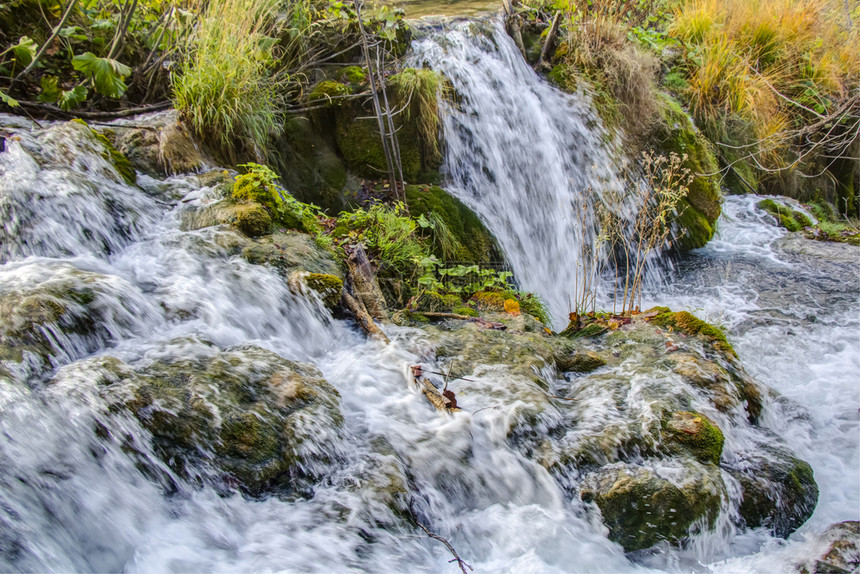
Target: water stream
72,499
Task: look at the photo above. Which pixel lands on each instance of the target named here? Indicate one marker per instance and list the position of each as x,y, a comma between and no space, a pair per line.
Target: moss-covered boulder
119,161
309,166
53,313
727,387
791,219
291,251
699,212
327,287
579,361
473,242
640,507
688,324
250,218
360,145
329,92
244,416
779,490
695,433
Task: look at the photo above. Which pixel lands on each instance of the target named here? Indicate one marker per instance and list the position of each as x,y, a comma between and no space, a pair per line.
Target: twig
57,112
460,562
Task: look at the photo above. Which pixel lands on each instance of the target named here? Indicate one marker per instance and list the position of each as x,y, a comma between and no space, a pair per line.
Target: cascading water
122,291
522,154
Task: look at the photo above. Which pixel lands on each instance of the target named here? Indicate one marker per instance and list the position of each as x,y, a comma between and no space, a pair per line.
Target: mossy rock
790,219
329,92
475,243
309,166
355,75
252,219
160,146
641,508
689,324
61,313
256,419
701,208
292,251
117,160
779,490
695,433
579,362
329,287
360,145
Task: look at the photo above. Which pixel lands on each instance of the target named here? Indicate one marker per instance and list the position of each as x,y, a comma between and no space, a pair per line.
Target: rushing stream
139,287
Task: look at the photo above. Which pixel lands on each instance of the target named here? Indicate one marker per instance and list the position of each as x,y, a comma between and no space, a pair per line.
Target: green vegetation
225,88
791,219
687,323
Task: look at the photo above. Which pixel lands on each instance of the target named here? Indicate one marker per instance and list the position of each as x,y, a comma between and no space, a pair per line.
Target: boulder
841,550
244,416
643,505
159,145
779,490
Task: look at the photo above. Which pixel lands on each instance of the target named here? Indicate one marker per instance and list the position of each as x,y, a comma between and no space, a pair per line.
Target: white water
70,501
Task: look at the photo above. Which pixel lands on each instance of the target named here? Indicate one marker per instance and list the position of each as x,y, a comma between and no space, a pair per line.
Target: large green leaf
107,74
25,51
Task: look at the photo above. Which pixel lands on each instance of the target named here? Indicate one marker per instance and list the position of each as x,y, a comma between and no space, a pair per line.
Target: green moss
701,209
433,301
786,217
252,219
462,310
118,161
476,243
329,92
361,146
328,286
354,74
688,323
696,433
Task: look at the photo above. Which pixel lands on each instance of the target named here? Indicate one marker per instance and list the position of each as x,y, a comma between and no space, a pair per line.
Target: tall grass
419,92
225,87
775,65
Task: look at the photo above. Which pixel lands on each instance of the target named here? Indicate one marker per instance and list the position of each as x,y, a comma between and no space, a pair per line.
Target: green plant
419,92
260,184
225,87
388,232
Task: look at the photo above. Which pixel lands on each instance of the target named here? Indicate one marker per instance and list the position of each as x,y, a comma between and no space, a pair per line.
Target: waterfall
523,155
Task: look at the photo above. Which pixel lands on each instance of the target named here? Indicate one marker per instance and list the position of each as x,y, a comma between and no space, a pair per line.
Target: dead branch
460,562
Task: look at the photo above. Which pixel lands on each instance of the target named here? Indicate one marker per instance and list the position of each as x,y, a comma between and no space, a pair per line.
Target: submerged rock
260,421
841,554
642,507
791,219
779,490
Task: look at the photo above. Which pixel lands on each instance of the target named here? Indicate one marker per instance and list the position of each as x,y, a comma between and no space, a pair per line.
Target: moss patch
688,323
701,209
476,243
110,153
696,433
361,146
786,217
329,92
252,219
328,286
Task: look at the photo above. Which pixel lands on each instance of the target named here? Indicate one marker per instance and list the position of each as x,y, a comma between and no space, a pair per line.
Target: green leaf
103,24
8,100
107,74
71,98
25,50
50,91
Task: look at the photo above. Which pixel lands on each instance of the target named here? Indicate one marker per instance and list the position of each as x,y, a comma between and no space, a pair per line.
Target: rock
779,490
791,219
254,417
160,145
842,550
473,241
641,507
290,251
53,313
328,287
250,218
696,433
689,324
580,362
701,208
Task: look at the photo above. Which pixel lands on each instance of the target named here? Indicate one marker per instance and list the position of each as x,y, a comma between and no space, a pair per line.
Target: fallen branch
54,111
444,401
460,562
364,319
550,40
